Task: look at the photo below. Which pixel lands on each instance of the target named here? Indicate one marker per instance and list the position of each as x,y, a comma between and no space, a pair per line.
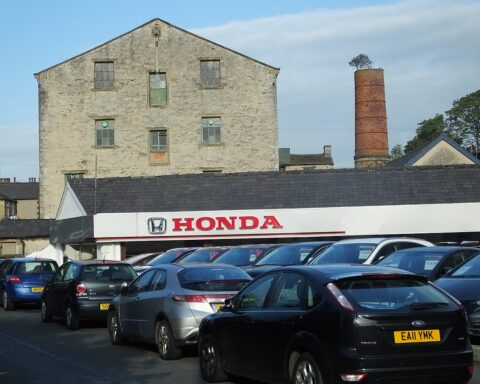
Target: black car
287,254
464,283
83,290
335,324
432,262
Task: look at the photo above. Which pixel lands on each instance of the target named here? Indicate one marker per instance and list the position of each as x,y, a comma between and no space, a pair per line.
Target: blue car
22,280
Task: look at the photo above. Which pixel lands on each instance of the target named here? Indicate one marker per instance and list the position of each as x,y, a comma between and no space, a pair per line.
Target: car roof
98,262
440,249
306,243
25,259
332,272
377,240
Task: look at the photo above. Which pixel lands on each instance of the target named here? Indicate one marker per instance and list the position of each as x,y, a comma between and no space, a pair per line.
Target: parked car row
307,312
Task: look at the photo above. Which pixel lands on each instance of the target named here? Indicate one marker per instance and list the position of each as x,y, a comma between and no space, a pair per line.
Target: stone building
297,162
155,101
19,199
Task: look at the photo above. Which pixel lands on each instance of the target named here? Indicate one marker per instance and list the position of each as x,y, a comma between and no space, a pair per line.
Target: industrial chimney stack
371,137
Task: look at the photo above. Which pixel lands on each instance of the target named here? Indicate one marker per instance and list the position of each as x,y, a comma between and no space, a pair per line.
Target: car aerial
83,290
287,254
432,262
203,255
170,256
243,255
335,324
463,283
166,303
22,280
366,251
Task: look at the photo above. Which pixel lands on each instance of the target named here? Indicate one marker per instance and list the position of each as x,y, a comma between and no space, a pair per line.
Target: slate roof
410,158
20,191
23,229
270,190
316,159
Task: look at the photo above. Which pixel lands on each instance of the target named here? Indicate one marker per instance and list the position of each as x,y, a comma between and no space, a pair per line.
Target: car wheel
306,370
46,317
165,341
8,304
210,365
71,321
114,331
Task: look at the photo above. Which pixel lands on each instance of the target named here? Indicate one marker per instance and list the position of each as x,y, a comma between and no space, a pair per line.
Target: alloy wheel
114,327
163,339
209,359
305,373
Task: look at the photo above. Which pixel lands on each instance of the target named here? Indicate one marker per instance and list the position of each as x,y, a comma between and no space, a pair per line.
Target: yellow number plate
39,289
417,336
104,307
217,307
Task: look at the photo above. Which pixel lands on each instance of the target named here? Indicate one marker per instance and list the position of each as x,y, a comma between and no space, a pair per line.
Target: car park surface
22,280
367,250
432,262
356,323
164,305
83,290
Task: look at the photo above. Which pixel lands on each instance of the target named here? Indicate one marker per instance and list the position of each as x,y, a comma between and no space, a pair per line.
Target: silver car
166,304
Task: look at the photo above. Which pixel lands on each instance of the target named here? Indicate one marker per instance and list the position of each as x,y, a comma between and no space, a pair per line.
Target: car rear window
213,278
107,272
396,295
471,268
345,253
30,267
203,255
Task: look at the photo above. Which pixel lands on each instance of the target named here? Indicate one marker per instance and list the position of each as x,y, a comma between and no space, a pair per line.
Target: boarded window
158,89
210,73
104,78
211,127
158,140
105,131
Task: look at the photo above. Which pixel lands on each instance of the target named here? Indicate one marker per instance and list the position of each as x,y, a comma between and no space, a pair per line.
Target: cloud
429,50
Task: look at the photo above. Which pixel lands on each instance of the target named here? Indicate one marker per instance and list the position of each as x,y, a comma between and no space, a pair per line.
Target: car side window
253,297
385,251
293,291
60,273
159,281
142,282
71,272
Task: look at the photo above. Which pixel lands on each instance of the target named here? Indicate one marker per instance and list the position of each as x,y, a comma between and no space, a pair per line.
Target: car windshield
469,269
422,263
102,273
355,253
168,256
214,278
203,255
287,255
397,295
31,267
241,256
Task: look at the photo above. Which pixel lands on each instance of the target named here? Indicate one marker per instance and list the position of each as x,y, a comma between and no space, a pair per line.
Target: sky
429,51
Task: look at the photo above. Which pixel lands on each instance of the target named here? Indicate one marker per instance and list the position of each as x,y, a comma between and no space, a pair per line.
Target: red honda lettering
226,222
179,222
271,221
248,222
205,223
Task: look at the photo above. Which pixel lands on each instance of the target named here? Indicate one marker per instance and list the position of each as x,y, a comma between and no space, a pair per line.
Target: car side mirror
124,288
229,305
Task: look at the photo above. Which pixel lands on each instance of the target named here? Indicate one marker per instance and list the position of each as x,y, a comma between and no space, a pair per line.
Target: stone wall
69,106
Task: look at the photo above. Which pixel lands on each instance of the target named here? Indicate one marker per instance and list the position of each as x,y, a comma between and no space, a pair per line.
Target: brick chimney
371,136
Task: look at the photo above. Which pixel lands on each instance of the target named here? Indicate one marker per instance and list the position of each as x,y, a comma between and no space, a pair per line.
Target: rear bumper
412,369
90,309
19,294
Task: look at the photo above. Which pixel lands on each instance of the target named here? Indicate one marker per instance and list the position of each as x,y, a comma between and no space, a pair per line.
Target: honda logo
157,225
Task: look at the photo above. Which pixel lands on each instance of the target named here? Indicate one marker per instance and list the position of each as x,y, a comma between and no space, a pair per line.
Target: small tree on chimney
361,62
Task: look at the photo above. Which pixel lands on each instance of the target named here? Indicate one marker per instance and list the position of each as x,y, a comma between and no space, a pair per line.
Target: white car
367,250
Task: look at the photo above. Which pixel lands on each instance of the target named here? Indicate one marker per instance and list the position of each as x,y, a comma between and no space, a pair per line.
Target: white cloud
429,50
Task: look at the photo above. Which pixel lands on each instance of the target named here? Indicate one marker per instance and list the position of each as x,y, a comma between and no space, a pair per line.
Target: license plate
37,289
417,336
217,307
104,307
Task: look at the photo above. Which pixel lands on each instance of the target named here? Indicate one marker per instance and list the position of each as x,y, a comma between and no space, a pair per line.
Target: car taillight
189,298
15,280
81,289
470,369
353,377
341,299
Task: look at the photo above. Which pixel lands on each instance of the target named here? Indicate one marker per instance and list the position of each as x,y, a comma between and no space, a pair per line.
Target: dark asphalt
35,352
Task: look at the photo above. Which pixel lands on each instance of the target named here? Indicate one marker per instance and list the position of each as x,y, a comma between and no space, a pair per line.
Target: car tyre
211,366
165,341
46,317
114,330
8,304
307,371
71,321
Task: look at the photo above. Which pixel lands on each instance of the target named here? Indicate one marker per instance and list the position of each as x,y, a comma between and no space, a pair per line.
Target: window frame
206,125
150,103
95,80
103,128
204,80
240,297
150,143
